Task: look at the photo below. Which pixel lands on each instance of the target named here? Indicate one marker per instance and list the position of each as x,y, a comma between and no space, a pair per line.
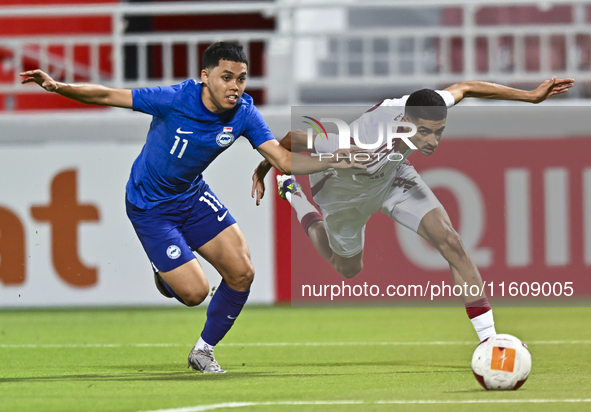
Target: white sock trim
301,205
484,325
201,344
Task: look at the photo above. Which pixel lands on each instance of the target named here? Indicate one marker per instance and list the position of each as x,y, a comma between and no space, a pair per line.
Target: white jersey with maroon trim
384,161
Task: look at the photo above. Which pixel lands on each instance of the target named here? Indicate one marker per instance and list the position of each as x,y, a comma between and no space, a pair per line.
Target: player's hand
353,158
258,181
41,78
550,88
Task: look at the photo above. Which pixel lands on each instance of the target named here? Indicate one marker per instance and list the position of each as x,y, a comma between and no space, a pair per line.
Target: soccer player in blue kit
172,209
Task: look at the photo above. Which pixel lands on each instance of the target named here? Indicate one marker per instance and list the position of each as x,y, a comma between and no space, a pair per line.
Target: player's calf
436,229
450,246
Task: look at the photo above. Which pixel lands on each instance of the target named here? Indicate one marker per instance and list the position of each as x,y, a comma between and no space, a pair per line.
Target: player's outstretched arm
83,92
294,141
298,164
486,90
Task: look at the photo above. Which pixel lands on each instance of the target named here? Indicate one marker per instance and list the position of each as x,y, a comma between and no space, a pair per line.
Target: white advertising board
65,239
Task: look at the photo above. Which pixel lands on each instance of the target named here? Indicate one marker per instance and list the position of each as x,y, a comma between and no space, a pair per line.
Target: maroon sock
477,308
310,218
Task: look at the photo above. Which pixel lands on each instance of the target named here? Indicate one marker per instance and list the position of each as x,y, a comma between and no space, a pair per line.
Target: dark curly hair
425,104
223,51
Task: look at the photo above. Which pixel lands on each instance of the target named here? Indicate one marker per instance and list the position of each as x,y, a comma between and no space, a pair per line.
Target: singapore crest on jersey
225,138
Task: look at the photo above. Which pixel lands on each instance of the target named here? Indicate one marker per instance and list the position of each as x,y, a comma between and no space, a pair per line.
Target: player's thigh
410,199
188,281
345,229
159,231
211,230
207,218
228,253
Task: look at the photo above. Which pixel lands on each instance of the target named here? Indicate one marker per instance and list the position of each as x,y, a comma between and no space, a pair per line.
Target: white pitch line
228,405
91,345
270,344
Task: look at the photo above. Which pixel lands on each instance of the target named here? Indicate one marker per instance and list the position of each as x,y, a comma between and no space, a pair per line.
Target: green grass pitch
285,359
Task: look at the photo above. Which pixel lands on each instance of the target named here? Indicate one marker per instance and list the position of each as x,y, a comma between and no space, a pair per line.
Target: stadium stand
373,48
79,47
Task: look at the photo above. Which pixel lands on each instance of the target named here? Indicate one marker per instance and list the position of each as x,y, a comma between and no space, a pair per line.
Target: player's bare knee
242,279
316,226
350,270
247,277
194,296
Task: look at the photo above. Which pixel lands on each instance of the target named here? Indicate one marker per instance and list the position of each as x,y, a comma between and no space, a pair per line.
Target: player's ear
205,76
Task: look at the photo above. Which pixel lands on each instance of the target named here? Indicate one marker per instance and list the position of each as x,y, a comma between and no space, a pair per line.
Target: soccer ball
502,362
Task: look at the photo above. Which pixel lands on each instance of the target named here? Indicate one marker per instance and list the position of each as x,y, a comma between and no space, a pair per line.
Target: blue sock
224,308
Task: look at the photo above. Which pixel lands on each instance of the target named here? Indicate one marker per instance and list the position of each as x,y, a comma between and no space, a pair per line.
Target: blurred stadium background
64,236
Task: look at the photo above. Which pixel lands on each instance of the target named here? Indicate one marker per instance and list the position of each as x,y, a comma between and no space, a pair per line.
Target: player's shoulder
385,108
397,102
386,103
174,93
186,96
383,111
189,86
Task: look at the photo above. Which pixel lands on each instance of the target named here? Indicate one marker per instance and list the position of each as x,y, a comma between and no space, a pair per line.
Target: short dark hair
425,104
223,51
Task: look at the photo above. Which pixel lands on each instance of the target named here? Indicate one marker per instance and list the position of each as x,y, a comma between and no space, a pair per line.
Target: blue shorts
171,231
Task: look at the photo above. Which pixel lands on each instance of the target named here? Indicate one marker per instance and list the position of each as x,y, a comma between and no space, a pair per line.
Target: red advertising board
522,207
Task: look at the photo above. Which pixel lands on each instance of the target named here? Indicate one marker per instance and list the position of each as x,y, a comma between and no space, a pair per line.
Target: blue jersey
184,138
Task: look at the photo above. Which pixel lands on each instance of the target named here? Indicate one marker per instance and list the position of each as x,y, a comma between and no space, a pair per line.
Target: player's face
224,85
428,135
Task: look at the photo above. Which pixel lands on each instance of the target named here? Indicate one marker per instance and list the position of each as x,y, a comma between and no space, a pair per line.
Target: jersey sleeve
395,102
156,101
326,144
256,130
447,97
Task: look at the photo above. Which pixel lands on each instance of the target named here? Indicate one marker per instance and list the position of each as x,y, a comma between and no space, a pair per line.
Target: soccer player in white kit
347,198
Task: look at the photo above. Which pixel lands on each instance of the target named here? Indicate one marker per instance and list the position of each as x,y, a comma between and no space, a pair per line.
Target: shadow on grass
137,377
142,373
427,367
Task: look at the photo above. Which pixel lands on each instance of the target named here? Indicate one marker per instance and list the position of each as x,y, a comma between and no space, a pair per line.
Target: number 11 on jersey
176,143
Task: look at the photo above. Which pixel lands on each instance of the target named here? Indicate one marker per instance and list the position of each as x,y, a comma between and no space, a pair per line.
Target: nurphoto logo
386,131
